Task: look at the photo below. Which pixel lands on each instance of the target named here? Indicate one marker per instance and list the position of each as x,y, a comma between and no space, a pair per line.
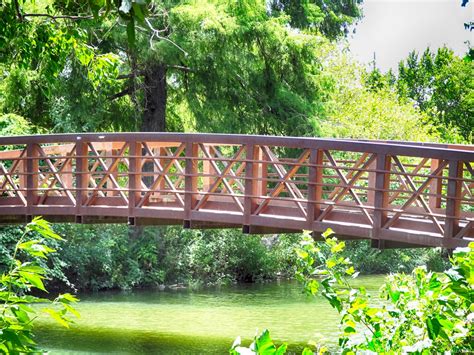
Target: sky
393,28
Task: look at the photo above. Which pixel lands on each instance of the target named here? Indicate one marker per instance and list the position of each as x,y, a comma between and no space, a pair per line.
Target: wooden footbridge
395,193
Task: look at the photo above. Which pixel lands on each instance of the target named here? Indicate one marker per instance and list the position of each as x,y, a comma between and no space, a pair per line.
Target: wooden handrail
395,193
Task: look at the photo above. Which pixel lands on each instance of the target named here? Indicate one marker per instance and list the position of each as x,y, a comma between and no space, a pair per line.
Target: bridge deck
391,192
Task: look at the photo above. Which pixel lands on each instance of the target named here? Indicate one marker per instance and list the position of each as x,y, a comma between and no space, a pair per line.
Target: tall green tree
157,65
332,18
442,85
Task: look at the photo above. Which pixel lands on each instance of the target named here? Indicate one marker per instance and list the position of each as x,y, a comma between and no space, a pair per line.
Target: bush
114,256
423,312
420,313
24,275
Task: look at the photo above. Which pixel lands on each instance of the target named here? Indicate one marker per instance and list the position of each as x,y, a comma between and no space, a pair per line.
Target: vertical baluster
453,203
82,178
315,188
190,182
381,196
32,171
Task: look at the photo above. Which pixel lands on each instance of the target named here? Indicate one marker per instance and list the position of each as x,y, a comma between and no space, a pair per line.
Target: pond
195,322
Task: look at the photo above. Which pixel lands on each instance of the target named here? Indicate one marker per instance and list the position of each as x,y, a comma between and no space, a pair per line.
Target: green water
194,322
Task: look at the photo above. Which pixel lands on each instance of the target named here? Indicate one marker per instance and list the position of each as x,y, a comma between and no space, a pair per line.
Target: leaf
338,247
433,326
67,298
137,11
56,316
349,330
38,224
282,349
33,279
264,343
302,254
328,233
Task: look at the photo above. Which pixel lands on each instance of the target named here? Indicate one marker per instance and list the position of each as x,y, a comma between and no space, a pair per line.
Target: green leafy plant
262,344
421,313
17,312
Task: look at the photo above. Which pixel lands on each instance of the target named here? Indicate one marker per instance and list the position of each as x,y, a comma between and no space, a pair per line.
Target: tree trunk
154,113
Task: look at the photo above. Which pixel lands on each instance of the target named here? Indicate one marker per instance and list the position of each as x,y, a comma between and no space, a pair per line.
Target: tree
42,41
442,85
210,65
365,106
332,18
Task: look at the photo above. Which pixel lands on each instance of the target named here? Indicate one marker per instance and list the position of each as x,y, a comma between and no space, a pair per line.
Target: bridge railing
385,191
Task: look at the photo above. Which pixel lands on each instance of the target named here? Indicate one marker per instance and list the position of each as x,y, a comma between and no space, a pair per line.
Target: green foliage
359,111
262,345
332,18
23,276
113,256
442,85
240,55
422,312
371,260
14,125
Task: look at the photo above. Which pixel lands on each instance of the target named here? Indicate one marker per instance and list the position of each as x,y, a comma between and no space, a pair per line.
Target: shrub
23,276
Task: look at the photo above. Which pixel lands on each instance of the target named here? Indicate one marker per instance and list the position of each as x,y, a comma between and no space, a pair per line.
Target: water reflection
185,321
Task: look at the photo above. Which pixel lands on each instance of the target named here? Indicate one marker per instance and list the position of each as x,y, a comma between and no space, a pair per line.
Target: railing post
453,203
436,186
134,179
253,186
32,171
207,170
315,188
381,197
67,175
190,181
263,173
371,183
81,178
22,170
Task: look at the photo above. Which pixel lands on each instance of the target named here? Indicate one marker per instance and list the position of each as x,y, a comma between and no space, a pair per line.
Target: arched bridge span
395,193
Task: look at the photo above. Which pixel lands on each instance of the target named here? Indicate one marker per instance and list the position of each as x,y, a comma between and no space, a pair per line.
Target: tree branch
131,75
124,92
60,17
180,67
17,10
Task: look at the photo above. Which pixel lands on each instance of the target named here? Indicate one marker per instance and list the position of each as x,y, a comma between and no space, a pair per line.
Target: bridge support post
436,186
134,179
315,188
190,182
453,202
207,170
32,172
382,185
253,186
82,178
